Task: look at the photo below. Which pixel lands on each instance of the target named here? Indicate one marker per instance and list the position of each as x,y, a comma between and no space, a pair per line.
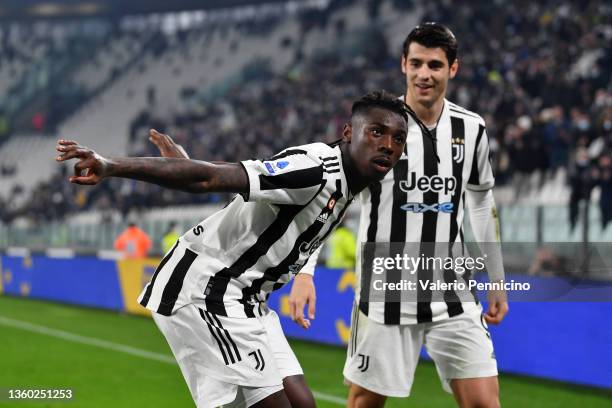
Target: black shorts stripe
475,173
147,295
302,178
398,234
332,171
227,335
354,329
212,332
366,272
175,283
288,152
428,234
326,159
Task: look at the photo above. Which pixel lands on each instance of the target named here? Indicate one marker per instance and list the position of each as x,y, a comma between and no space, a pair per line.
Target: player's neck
429,115
355,181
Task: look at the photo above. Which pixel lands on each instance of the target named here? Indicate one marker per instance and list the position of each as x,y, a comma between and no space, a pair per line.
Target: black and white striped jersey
422,201
230,262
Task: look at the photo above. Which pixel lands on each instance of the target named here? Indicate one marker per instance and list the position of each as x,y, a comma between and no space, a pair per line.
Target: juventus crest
458,149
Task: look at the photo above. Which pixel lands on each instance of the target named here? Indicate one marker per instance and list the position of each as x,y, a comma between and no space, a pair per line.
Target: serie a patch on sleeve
274,166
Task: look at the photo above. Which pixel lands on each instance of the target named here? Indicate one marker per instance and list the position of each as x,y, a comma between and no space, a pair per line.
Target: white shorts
383,358
228,360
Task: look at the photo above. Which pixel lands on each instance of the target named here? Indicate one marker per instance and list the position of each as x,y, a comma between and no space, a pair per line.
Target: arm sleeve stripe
464,113
288,152
295,179
475,174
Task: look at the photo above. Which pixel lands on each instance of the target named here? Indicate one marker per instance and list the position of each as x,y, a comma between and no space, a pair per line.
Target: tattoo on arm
182,174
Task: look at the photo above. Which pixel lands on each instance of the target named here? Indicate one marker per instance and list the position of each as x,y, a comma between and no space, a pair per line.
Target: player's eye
376,131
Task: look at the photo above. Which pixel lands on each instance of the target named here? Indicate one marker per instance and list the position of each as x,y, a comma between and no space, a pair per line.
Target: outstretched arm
180,174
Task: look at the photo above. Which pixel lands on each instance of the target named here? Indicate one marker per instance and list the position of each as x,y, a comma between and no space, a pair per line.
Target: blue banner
566,341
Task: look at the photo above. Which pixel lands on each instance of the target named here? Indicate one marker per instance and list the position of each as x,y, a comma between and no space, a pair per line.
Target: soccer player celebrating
208,293
422,201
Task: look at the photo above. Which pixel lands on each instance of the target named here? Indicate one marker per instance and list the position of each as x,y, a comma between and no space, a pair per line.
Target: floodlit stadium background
241,79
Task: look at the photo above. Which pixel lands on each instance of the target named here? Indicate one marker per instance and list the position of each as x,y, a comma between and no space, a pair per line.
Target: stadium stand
247,84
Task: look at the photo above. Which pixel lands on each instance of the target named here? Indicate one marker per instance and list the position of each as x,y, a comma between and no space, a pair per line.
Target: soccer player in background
422,200
208,293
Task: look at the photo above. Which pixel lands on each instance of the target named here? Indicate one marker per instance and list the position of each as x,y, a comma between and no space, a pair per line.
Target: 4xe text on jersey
447,207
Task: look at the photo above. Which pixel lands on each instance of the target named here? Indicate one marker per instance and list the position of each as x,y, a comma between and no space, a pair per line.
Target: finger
183,152
85,180
311,308
66,142
492,310
299,310
160,137
154,137
292,310
495,320
303,323
65,148
72,153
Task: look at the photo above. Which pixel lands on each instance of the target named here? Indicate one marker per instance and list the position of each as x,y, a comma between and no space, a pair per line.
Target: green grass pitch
79,351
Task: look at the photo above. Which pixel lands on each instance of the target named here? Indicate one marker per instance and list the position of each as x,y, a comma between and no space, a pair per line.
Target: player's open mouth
382,163
423,87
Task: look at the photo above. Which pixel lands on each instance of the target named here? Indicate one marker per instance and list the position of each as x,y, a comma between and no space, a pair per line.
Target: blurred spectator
342,248
170,237
603,178
133,243
581,183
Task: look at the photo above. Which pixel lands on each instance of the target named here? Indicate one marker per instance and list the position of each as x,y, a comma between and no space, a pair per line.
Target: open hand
302,294
91,167
167,147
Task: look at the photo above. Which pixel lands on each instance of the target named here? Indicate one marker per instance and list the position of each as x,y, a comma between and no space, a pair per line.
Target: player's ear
454,68
404,64
347,133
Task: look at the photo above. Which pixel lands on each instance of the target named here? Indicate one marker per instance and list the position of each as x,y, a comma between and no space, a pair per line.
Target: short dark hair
387,100
433,35
380,99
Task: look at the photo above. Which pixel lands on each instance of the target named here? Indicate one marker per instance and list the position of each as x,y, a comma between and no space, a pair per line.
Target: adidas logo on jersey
323,217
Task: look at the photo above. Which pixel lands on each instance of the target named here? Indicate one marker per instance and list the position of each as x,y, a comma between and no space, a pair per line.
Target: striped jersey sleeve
481,174
291,177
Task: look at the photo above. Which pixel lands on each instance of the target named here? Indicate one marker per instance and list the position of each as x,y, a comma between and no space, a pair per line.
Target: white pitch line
109,345
329,398
90,341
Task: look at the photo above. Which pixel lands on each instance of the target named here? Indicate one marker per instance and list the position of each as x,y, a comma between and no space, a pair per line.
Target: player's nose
385,144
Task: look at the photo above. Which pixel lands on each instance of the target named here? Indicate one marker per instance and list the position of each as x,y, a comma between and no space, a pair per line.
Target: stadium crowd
539,74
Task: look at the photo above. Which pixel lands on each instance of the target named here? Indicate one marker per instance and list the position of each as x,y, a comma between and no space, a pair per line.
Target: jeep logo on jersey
436,184
435,207
458,145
